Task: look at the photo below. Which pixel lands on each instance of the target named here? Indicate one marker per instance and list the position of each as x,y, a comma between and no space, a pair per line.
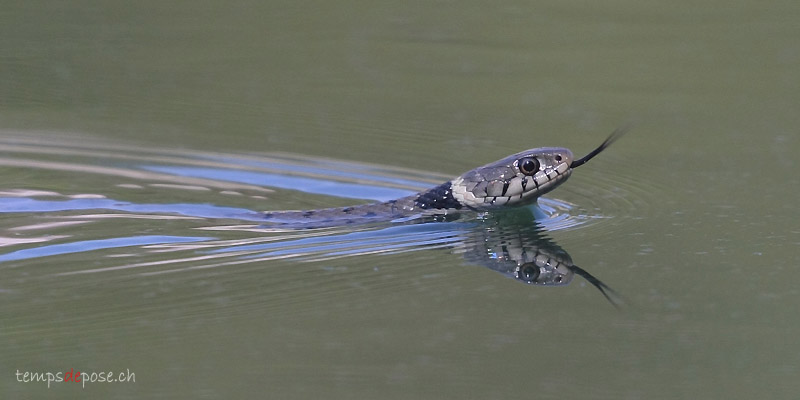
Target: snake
516,180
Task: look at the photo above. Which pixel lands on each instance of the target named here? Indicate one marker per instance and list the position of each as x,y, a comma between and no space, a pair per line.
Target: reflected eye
528,272
528,165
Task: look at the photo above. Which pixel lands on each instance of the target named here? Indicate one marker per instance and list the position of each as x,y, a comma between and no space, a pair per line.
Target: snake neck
437,200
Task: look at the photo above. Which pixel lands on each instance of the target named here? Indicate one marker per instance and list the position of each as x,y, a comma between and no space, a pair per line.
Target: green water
696,225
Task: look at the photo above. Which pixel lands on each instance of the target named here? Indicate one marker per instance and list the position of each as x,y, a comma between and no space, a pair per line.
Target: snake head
518,179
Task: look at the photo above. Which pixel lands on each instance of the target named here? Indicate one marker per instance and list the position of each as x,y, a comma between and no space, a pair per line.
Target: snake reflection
510,243
523,252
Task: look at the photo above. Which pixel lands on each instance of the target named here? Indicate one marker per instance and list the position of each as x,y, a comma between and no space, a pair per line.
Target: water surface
139,142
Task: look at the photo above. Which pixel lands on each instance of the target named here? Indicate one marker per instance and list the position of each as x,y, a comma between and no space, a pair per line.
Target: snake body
516,180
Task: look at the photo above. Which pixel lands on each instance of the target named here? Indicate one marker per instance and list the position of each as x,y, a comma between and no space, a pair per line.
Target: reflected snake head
544,273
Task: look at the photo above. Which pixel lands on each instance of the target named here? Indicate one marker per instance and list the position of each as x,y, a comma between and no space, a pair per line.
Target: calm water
139,141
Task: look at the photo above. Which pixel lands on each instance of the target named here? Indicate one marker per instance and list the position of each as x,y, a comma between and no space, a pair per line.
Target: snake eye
528,165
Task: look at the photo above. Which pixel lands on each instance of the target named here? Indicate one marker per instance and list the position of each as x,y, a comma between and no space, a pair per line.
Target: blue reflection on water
303,184
23,204
393,237
89,245
331,168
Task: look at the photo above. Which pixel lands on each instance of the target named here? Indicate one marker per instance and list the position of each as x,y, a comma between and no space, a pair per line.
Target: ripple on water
609,197
211,189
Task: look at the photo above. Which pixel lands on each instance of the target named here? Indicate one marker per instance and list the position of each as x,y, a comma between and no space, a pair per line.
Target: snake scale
516,180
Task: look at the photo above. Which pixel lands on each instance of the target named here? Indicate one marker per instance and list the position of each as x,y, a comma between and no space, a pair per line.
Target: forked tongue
611,139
